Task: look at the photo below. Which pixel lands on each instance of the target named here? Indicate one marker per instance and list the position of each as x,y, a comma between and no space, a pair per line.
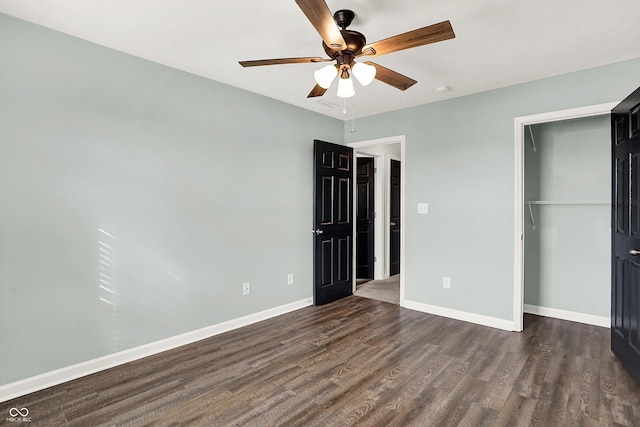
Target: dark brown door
333,242
625,218
365,212
394,216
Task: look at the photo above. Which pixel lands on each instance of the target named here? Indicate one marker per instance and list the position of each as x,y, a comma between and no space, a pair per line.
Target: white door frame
400,139
518,249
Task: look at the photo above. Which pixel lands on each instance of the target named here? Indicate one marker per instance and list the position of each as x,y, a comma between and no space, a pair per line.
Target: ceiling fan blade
316,91
392,78
420,37
321,18
282,61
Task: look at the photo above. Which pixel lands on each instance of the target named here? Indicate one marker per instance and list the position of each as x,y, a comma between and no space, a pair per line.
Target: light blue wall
202,185
460,160
205,186
567,255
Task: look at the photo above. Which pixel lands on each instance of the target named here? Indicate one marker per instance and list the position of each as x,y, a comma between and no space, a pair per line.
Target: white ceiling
498,42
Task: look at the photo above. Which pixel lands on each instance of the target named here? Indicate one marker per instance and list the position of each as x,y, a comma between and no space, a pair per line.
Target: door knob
393,223
634,252
318,232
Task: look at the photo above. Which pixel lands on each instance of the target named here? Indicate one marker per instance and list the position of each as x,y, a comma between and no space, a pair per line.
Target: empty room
448,236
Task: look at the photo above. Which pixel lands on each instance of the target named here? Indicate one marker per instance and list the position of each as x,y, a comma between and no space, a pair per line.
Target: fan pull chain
344,105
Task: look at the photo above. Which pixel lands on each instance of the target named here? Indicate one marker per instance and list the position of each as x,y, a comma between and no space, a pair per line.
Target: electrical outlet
423,208
446,282
246,288
290,279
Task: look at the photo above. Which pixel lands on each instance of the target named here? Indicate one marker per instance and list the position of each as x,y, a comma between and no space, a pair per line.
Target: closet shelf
568,202
563,202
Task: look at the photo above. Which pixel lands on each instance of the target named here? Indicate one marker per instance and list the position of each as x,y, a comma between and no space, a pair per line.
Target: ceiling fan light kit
365,73
345,86
344,46
325,76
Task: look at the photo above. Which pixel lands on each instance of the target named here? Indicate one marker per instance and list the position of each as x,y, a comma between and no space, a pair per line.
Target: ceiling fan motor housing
355,40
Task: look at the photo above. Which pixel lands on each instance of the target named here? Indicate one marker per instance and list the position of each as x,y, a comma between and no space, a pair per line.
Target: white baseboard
572,316
59,376
479,319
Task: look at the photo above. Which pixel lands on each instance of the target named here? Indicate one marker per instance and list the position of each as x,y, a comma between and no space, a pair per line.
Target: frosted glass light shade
345,88
325,76
365,73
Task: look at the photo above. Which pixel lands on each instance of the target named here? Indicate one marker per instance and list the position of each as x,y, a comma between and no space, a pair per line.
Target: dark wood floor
359,362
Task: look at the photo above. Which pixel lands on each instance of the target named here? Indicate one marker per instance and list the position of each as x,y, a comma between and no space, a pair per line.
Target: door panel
332,221
634,212
625,215
326,262
365,212
633,298
617,299
344,200
394,216
621,202
326,207
344,260
634,119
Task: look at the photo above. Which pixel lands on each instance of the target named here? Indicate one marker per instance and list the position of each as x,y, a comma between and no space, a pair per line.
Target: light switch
423,208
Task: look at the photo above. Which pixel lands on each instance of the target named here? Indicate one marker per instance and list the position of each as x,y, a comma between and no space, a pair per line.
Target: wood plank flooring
359,362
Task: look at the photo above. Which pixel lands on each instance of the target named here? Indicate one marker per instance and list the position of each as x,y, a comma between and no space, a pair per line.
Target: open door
394,217
365,217
333,213
625,218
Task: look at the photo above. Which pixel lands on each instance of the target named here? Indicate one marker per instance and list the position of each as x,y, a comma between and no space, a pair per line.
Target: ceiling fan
345,46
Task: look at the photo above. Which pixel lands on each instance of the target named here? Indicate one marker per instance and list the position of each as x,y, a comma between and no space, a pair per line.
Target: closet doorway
562,208
384,281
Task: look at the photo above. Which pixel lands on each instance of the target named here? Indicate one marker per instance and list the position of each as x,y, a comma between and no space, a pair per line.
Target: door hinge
375,259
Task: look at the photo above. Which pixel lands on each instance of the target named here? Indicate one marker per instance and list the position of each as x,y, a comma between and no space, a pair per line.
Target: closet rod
562,202
568,202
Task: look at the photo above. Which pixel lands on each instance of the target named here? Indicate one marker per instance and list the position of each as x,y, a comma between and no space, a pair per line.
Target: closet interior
567,211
